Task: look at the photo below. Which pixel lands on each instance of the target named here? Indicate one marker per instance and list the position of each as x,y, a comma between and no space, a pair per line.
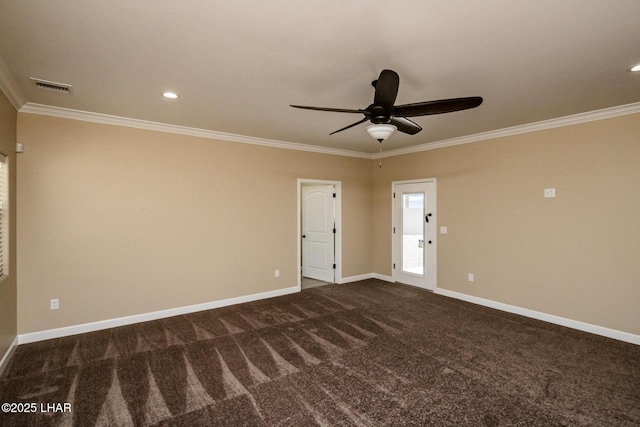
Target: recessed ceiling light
170,95
636,68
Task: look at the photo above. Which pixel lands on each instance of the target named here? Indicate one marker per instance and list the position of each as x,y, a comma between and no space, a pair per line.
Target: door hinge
334,231
394,265
394,194
334,195
394,230
334,266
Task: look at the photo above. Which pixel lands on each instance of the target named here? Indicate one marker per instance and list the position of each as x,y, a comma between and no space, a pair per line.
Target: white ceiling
237,65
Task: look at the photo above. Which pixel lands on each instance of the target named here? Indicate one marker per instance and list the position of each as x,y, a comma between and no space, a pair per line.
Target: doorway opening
319,232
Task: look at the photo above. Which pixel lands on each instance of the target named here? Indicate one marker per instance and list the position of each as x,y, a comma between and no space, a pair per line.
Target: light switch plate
549,192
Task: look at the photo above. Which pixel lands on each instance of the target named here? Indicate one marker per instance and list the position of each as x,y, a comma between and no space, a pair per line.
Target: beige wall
8,291
117,221
576,256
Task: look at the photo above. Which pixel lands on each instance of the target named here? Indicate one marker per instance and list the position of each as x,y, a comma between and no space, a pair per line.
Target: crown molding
46,110
67,113
606,113
9,87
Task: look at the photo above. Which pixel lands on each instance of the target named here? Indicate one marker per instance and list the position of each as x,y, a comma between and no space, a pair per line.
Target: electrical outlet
549,192
471,277
277,273
54,304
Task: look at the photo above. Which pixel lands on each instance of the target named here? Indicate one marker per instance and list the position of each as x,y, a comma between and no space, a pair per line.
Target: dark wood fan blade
350,126
334,110
405,125
437,107
386,89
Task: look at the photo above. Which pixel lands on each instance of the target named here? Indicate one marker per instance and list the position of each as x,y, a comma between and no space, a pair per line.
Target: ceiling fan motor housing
378,114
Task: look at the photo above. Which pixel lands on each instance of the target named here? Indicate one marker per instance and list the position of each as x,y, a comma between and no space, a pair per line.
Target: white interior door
414,233
318,232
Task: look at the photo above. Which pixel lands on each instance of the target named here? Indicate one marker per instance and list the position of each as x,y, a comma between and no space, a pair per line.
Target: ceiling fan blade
386,89
350,126
335,110
405,125
437,107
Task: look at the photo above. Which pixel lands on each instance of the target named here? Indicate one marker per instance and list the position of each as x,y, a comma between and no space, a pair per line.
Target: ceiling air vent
53,86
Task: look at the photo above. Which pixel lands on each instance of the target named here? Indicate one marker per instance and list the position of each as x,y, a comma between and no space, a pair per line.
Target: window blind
4,213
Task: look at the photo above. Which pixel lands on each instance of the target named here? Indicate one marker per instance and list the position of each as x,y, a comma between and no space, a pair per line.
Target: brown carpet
361,354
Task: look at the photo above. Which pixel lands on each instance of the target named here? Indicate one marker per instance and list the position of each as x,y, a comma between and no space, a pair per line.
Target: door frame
430,263
338,237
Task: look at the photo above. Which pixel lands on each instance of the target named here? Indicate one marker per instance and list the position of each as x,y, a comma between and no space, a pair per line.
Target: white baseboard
365,277
550,318
7,355
356,278
145,317
383,278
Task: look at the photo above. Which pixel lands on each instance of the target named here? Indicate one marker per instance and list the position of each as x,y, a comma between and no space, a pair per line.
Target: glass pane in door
413,233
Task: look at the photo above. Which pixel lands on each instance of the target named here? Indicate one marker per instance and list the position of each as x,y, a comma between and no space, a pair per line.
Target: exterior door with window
414,233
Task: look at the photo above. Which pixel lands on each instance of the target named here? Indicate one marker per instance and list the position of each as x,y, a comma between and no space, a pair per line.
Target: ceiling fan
387,117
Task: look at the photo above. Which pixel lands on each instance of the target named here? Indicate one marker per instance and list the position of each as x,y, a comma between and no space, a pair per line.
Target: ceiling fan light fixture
380,132
635,68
